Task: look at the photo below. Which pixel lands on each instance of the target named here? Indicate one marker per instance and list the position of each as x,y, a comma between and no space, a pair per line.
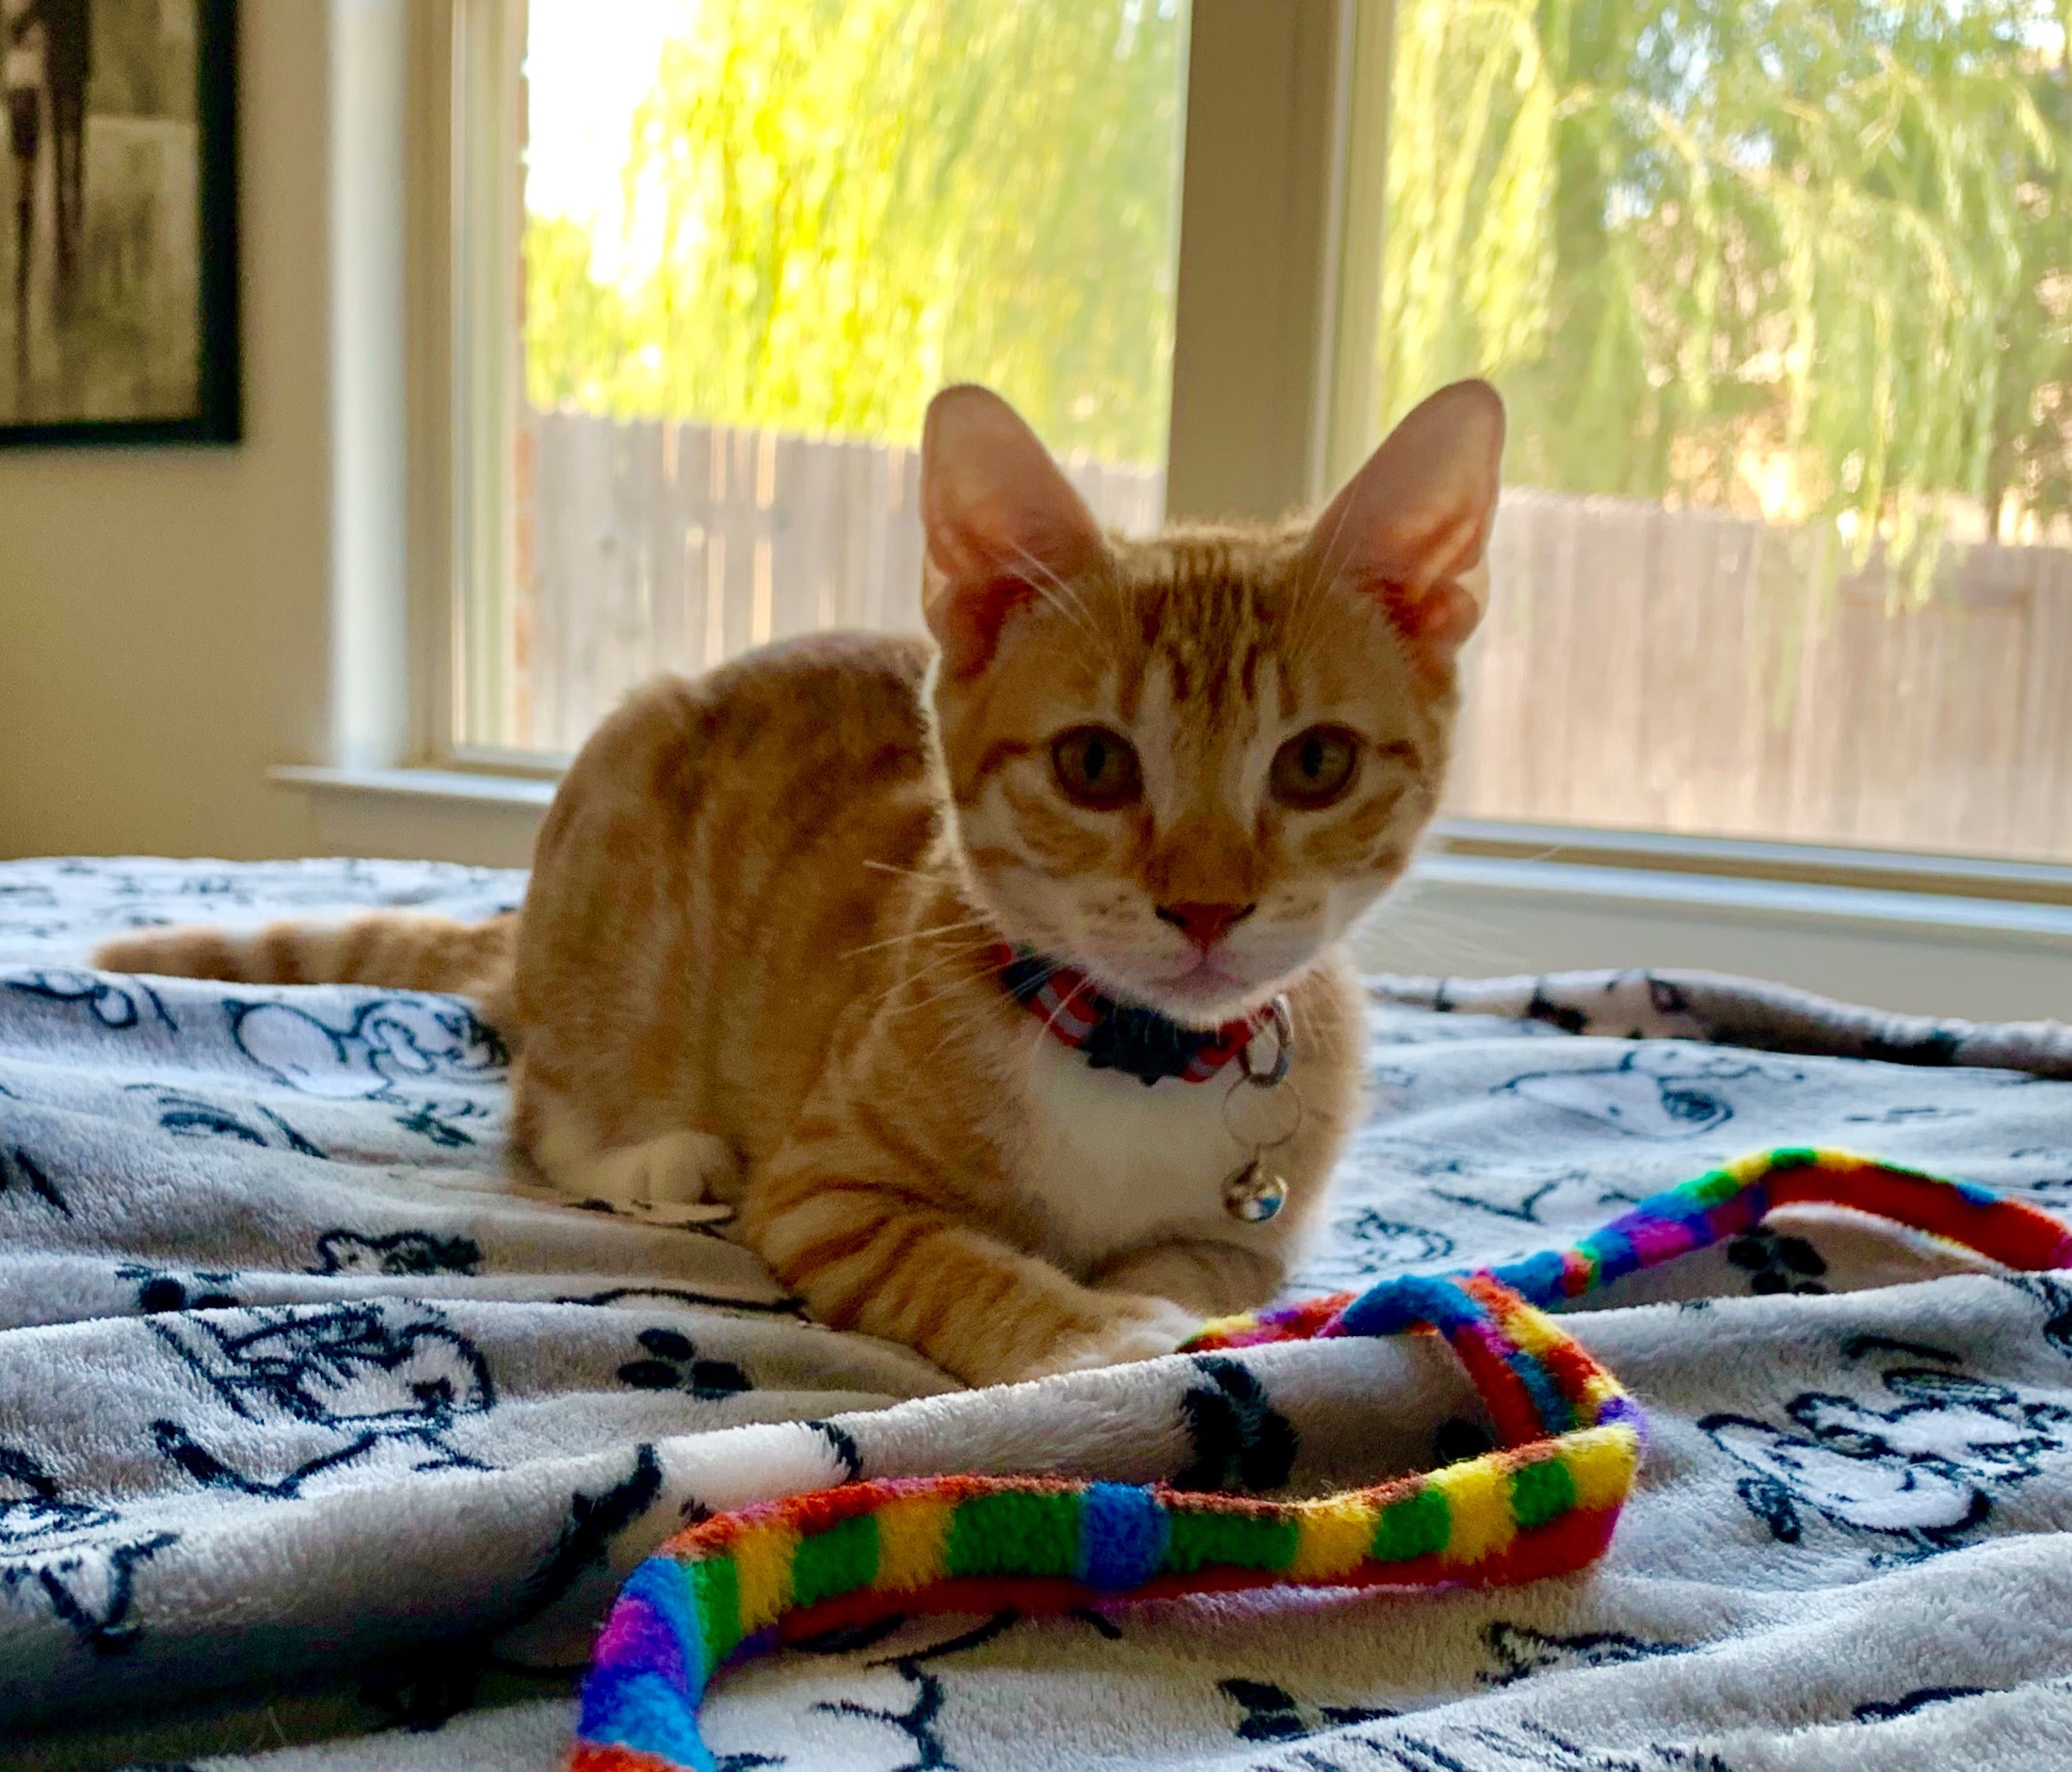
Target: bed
323,1445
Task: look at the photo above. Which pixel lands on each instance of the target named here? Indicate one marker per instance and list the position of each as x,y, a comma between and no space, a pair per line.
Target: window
1779,294
756,236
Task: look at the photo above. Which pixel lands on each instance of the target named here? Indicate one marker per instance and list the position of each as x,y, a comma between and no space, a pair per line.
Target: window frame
464,216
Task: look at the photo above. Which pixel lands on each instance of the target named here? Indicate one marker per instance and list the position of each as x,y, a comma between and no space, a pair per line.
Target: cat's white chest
1113,1165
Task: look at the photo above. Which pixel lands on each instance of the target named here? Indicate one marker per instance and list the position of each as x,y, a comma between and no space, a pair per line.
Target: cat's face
1186,765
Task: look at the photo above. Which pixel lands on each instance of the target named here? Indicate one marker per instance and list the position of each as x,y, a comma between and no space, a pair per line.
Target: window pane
759,234
1778,294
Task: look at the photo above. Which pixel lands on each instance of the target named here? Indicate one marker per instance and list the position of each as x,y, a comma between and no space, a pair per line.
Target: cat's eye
1315,767
1097,767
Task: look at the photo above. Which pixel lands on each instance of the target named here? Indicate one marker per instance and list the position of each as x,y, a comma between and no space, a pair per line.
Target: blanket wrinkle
315,1424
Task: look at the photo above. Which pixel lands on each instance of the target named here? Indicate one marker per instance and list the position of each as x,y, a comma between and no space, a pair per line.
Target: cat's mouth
1196,988
1206,984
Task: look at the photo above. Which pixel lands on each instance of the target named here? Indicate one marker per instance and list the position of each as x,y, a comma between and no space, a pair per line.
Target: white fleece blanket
320,1448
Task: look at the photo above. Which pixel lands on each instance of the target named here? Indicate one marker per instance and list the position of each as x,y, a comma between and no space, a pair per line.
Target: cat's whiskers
959,1022
1467,942
889,1010
937,964
910,873
1054,590
1325,565
917,935
1323,1039
1301,633
1050,578
1043,1031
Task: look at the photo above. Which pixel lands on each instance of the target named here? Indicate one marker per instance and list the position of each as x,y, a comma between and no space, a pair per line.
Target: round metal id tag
1255,1193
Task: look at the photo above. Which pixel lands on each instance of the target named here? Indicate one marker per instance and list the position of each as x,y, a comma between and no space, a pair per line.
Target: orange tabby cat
787,922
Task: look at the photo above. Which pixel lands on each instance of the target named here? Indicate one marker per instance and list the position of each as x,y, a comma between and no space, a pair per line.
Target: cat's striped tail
399,950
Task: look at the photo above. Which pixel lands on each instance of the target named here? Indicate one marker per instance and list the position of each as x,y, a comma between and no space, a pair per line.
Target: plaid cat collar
1139,1042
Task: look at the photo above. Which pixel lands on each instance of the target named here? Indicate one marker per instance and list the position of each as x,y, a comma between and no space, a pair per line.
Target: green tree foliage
1836,231
853,201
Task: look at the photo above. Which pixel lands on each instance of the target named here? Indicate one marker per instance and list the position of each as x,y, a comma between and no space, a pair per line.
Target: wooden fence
1683,670
1692,671
650,546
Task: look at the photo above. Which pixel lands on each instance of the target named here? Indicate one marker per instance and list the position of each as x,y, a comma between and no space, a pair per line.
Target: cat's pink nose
1204,924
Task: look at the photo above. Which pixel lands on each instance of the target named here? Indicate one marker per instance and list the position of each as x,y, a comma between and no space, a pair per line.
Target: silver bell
1254,1194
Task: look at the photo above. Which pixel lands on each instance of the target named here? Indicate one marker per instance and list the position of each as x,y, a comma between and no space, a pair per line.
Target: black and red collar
1138,1042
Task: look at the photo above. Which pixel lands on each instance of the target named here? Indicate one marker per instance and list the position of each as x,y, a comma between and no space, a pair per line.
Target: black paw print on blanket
1776,1263
159,1289
672,1362
1240,1440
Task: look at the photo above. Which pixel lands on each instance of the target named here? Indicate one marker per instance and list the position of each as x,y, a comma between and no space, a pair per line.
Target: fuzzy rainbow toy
1544,1503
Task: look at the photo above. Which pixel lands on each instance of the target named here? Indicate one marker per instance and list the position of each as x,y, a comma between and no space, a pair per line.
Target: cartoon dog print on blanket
73,1557
189,1116
163,1289
383,1380
397,1252
1540,1194
339,1253
383,1042
1520,1651
1364,1243
382,1045
1922,1472
895,1712
1403,1744
117,1006
31,1509
1655,1091
1272,1713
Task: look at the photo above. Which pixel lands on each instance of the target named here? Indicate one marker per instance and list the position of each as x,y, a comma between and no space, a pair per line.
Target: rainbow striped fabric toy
1543,1504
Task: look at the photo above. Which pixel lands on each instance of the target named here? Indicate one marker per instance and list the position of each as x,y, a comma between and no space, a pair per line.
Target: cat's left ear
999,520
1412,525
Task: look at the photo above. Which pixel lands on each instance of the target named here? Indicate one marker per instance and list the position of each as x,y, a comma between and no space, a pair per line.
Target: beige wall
164,617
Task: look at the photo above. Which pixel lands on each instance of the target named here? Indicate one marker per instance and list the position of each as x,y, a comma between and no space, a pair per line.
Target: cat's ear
999,520
1412,525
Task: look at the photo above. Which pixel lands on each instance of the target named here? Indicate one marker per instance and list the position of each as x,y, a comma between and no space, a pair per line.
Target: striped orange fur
402,950
756,960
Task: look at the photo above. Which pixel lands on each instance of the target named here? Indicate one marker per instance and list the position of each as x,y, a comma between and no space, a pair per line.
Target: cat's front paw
1138,1329
669,1180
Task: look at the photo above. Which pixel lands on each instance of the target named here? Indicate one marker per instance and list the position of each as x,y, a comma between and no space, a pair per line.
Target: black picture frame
219,415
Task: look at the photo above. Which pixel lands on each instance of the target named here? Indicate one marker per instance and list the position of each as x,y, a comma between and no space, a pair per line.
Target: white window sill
1988,940
440,814
1745,858
465,786
1754,901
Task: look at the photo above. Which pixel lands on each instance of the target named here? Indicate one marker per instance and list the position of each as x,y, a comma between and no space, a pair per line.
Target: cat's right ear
1002,523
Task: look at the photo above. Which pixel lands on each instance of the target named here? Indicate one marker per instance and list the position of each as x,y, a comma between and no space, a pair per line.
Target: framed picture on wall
119,222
